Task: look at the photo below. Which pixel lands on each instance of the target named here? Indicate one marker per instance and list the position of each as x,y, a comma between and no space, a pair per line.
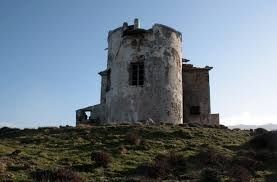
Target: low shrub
60,175
133,138
101,158
209,175
176,160
266,141
247,162
260,131
163,165
153,169
212,157
240,174
8,132
266,156
160,168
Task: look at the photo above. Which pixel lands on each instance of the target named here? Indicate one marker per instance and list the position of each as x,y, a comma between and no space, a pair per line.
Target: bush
159,168
212,157
209,175
266,141
163,165
247,162
260,131
177,160
133,138
60,175
101,158
9,132
265,156
240,174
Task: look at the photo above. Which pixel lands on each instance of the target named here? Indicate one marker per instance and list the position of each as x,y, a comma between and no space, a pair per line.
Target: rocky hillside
137,153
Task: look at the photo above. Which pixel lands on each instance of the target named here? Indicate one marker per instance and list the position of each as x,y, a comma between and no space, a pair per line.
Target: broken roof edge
85,109
187,67
145,30
89,108
167,27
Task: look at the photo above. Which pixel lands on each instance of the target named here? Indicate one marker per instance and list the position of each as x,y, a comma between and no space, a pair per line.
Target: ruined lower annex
147,79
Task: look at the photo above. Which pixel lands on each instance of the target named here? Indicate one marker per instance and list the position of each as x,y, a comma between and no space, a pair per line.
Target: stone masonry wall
196,93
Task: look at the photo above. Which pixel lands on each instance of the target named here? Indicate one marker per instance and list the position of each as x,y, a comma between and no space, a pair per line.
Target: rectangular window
137,74
195,110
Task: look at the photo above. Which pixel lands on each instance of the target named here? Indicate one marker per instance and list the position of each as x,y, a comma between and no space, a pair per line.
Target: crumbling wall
97,114
196,94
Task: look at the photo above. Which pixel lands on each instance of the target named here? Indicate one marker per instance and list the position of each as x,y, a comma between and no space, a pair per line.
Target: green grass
53,148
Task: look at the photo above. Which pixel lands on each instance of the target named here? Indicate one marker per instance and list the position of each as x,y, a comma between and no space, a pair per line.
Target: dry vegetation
137,153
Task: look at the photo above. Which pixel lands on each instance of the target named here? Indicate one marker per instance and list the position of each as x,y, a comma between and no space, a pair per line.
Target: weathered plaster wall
160,98
196,92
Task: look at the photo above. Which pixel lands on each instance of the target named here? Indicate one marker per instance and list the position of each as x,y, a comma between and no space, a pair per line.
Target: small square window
195,110
137,74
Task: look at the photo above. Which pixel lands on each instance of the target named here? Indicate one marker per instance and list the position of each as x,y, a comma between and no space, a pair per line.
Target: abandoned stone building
147,79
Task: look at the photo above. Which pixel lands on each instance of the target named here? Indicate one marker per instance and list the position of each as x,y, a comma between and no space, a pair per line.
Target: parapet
136,29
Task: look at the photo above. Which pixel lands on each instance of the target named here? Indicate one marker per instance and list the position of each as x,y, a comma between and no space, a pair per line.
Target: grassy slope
72,147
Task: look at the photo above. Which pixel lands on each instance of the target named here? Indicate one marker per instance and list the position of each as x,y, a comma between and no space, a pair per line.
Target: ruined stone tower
145,78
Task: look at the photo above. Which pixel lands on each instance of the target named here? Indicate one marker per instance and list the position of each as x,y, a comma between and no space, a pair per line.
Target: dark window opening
195,110
137,74
108,87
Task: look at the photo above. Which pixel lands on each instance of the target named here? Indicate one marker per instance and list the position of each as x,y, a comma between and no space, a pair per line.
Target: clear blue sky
51,52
